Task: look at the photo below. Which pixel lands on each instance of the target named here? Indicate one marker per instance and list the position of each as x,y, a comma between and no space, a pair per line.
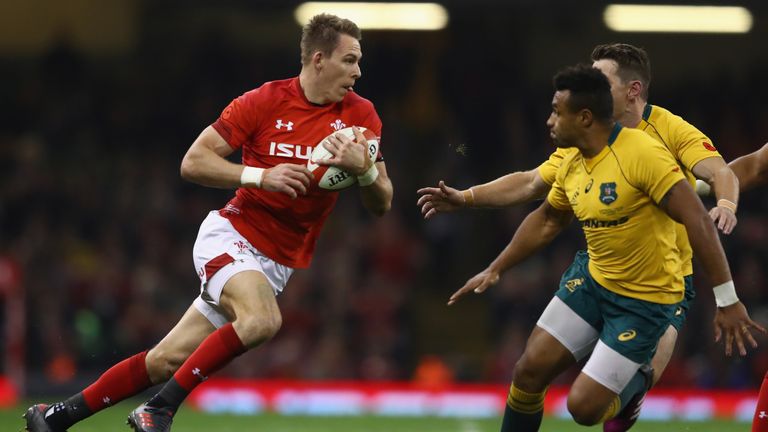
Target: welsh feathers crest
338,125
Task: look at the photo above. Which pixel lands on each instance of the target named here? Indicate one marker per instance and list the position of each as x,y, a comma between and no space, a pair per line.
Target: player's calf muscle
587,405
162,364
585,417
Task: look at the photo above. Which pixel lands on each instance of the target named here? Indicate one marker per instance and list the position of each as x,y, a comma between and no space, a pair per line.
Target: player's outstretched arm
205,164
442,199
538,229
512,189
716,173
731,317
751,169
519,187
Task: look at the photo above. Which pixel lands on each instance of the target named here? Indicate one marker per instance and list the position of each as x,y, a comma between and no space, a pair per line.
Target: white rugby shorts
220,252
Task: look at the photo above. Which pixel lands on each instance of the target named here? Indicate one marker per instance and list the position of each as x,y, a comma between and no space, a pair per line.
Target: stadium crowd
94,210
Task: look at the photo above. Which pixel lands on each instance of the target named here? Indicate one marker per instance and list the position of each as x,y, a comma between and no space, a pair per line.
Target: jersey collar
647,111
617,127
591,163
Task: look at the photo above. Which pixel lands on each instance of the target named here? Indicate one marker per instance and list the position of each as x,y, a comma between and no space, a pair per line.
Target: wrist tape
725,294
252,176
369,176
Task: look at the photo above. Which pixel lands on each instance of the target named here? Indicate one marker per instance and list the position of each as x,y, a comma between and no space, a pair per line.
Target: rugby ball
330,177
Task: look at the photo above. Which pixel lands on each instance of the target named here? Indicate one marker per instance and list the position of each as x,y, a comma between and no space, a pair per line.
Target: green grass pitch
187,420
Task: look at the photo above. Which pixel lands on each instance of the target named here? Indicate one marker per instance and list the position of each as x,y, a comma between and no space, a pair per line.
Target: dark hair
322,34
589,89
633,62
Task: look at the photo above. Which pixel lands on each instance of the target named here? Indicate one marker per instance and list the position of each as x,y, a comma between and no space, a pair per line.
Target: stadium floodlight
379,16
677,19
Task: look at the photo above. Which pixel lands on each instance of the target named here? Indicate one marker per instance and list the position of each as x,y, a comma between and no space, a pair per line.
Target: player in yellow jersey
628,70
623,187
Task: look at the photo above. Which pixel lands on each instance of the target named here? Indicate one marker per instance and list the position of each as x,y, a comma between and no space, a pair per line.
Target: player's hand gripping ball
331,177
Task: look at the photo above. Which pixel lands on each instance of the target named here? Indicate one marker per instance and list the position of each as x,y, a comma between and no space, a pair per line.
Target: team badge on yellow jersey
608,193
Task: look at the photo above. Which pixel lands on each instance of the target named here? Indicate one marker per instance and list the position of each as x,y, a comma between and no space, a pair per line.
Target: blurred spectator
432,373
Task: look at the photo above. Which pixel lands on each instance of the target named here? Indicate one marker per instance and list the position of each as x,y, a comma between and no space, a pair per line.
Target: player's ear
317,59
585,117
635,89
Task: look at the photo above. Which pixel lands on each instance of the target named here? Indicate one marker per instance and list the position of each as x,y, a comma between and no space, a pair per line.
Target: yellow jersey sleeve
687,143
548,169
692,145
557,197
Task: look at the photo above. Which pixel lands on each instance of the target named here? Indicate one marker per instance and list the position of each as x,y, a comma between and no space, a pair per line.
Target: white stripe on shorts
568,327
610,368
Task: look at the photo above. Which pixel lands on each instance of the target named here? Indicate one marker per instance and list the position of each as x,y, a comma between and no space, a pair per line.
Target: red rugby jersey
276,124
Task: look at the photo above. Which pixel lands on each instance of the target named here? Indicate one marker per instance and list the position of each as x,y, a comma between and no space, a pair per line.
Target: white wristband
251,176
369,176
725,294
702,188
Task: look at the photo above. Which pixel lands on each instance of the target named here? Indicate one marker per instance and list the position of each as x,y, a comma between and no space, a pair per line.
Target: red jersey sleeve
241,118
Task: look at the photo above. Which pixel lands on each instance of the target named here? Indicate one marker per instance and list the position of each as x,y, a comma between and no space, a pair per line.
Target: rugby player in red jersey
246,252
752,171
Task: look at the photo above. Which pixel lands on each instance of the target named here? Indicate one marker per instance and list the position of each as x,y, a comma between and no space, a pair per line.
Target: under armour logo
196,372
279,124
338,125
107,400
762,415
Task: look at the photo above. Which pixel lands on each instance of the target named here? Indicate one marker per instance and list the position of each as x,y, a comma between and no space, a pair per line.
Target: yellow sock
525,402
612,410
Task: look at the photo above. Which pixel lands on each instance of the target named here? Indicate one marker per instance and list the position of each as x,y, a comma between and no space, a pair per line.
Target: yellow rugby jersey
687,144
548,169
614,195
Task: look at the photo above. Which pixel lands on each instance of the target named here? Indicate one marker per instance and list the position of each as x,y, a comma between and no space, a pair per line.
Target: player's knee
521,374
526,377
162,364
583,410
584,418
254,330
